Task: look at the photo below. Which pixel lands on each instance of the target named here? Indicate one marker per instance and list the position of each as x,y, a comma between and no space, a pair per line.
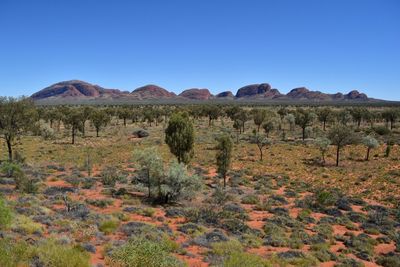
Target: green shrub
231,254
53,254
108,227
250,199
140,252
148,212
101,203
13,254
5,214
237,259
10,169
109,176
26,225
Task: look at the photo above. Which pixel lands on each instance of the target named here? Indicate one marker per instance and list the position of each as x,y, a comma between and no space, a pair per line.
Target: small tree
124,114
86,113
259,116
73,119
261,142
358,115
268,127
323,145
178,184
213,112
391,115
17,115
237,125
224,155
99,119
340,136
151,164
324,115
370,143
304,119
179,136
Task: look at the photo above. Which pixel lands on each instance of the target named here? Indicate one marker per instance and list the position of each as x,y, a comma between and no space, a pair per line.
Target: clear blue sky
326,45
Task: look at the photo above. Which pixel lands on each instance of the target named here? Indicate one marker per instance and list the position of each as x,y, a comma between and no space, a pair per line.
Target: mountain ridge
77,89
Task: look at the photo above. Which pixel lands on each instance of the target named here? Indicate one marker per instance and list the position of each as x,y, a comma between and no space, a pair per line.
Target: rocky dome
353,95
73,88
152,91
253,90
197,94
225,94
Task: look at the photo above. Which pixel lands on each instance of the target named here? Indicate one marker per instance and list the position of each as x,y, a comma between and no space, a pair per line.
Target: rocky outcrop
152,91
196,94
227,94
73,88
355,95
304,93
76,90
253,90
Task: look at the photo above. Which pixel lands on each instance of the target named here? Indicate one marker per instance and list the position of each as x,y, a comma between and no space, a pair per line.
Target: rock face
304,93
263,90
253,90
353,95
227,94
197,94
74,89
152,91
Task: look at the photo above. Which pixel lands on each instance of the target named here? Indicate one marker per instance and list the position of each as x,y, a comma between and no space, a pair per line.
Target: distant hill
152,91
196,94
80,90
76,89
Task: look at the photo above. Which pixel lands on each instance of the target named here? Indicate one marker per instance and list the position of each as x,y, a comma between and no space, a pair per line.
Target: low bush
250,199
5,214
14,253
109,226
139,252
109,176
50,253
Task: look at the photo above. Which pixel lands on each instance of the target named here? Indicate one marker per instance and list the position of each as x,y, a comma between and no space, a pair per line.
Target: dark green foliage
224,155
139,252
109,176
179,136
17,115
304,118
99,119
6,214
340,137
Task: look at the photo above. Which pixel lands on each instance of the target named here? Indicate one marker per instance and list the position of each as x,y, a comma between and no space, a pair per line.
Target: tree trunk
224,180
9,147
304,133
97,132
324,125
83,128
73,134
261,153
337,155
124,122
148,182
367,157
